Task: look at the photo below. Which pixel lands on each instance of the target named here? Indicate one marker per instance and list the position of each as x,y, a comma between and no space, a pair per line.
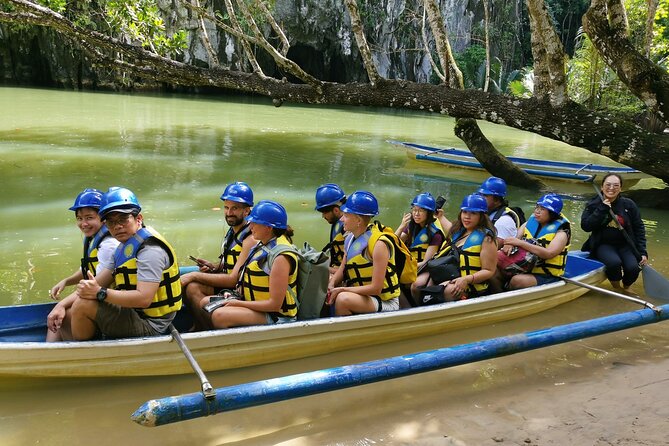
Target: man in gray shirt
144,272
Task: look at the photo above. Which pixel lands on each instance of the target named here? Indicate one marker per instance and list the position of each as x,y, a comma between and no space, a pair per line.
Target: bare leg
520,281
421,281
348,303
82,320
64,333
496,282
53,337
226,317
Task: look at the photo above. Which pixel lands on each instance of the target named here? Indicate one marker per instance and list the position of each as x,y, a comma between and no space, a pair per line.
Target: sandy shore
622,404
609,390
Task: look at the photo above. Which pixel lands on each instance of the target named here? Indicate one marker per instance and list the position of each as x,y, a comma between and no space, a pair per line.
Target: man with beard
329,198
212,278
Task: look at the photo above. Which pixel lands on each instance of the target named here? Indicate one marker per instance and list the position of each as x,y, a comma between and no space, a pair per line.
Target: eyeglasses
418,210
611,186
123,220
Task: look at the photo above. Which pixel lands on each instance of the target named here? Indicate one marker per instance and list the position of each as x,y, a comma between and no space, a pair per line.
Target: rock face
319,32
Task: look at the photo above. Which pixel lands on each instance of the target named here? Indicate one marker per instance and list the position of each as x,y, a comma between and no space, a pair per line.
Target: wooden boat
23,352
544,169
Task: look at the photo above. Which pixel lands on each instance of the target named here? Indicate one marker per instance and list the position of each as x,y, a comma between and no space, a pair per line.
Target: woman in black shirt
607,243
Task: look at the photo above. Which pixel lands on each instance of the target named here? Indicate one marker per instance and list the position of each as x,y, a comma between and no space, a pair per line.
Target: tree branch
359,33
645,79
285,45
245,44
213,58
285,63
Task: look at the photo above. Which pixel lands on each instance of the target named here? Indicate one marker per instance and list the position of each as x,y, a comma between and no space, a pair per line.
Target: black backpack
519,212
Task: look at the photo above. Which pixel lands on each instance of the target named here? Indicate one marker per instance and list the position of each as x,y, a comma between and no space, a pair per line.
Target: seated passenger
99,247
619,244
265,289
547,234
364,282
329,199
237,202
143,271
473,236
421,232
505,220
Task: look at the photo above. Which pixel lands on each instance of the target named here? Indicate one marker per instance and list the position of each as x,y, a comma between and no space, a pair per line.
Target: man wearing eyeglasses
146,291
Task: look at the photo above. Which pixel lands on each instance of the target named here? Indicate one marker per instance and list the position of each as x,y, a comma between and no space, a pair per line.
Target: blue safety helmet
118,199
425,201
552,202
474,203
88,198
239,192
269,213
493,186
361,202
327,195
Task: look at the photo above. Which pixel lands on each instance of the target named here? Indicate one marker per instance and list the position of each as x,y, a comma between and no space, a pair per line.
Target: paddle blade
654,284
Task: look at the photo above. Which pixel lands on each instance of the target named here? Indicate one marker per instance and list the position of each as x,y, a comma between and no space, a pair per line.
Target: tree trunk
467,130
548,55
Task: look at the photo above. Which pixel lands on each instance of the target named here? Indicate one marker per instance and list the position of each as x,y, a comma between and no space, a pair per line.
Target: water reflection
177,154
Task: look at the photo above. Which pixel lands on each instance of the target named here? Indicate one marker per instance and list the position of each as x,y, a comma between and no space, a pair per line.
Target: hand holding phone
440,202
196,260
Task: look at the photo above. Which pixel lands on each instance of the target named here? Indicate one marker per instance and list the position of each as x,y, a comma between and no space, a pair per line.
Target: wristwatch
102,294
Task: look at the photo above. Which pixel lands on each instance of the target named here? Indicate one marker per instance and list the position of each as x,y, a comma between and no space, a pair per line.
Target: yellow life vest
255,277
90,261
543,237
496,214
168,297
421,241
336,245
358,269
232,247
470,258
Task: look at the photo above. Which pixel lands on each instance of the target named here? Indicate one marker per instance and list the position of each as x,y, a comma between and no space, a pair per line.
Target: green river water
177,153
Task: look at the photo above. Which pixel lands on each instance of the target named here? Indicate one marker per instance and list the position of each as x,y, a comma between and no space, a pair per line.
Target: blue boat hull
545,169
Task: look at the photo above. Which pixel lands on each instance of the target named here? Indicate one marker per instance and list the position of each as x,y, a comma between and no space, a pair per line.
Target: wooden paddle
654,284
207,389
611,293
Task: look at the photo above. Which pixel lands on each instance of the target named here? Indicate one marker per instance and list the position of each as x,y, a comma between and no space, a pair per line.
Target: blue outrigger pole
194,405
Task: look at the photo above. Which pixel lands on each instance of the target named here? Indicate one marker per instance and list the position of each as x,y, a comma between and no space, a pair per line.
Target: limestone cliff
318,30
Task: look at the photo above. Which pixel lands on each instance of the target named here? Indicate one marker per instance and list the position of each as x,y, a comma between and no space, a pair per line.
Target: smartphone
199,262
440,202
